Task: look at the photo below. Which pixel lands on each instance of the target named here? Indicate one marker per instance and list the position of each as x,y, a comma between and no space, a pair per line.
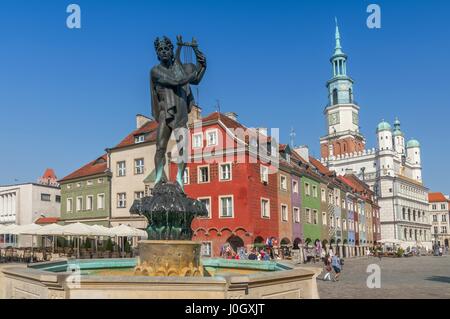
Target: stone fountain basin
115,279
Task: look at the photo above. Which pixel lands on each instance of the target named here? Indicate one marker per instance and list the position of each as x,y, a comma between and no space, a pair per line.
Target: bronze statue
172,99
169,211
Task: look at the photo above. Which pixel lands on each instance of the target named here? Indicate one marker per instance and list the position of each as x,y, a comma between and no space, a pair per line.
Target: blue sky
66,95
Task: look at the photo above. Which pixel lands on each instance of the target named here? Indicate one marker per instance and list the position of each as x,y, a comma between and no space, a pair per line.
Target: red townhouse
238,186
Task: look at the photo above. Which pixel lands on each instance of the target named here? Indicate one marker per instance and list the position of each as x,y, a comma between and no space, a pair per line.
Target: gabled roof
97,166
149,129
228,122
437,197
320,167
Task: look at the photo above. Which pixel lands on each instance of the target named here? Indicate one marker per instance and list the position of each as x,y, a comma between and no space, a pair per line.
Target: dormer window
139,139
288,158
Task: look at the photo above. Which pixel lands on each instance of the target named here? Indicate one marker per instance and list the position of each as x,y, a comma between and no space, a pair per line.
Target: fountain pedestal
169,258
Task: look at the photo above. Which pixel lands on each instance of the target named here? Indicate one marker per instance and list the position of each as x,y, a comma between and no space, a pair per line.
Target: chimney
303,151
141,120
195,115
232,116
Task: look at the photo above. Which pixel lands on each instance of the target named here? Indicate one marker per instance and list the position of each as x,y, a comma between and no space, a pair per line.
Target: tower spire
338,48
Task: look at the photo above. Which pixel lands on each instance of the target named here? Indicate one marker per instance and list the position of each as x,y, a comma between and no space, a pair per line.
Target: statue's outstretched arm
201,66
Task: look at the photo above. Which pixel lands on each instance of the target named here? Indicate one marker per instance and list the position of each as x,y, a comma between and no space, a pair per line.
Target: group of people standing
332,263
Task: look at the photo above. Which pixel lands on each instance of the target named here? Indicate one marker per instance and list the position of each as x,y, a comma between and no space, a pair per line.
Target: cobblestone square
401,278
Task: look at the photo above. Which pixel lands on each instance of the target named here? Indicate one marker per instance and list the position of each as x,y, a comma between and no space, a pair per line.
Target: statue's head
164,49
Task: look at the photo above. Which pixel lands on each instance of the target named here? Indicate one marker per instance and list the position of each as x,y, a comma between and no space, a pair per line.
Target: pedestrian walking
337,267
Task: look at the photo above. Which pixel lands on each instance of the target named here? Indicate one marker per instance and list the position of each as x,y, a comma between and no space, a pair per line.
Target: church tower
342,112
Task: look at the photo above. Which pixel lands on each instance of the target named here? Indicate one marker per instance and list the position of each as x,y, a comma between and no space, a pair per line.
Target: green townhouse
86,194
311,206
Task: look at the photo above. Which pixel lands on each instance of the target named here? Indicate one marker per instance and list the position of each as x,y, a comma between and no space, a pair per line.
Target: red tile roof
95,167
49,174
47,220
149,127
228,122
322,168
436,197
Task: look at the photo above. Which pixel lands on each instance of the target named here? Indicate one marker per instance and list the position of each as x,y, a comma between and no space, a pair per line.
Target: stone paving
424,277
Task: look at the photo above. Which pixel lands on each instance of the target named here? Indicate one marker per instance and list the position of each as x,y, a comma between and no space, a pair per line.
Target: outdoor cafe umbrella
29,229
127,231
50,230
101,231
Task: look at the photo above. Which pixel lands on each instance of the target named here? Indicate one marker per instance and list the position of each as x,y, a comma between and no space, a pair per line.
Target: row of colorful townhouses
255,189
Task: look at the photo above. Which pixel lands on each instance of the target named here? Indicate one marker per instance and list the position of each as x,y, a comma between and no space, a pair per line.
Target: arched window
404,213
235,242
405,235
350,97
335,96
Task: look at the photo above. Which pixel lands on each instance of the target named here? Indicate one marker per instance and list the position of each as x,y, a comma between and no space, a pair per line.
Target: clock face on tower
333,118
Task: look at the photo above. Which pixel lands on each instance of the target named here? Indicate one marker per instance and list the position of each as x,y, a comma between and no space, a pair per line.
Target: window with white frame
79,204
264,174
69,186
101,201
226,206
203,174
139,195
442,206
207,202
444,230
206,249
323,195
434,207
46,197
344,225
308,215
338,223
89,183
121,200
100,181
316,217
265,208
307,189
121,168
283,182
78,185
296,215
225,172
211,138
444,218
89,202
139,166
284,213
324,218
197,140
186,179
295,187
69,205
314,191
139,139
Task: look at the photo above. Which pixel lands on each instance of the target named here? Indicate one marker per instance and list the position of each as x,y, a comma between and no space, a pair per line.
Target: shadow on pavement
439,279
